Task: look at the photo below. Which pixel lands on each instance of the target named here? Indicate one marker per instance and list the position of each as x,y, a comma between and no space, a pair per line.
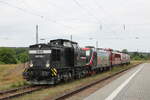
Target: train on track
63,60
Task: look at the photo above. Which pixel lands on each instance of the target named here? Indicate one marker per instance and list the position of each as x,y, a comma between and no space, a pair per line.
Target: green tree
136,58
20,50
23,57
7,56
148,56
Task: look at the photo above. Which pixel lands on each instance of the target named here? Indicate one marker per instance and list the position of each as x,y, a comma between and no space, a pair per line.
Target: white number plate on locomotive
39,51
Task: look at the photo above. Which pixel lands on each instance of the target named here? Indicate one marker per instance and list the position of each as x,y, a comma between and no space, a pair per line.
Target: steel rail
8,94
73,92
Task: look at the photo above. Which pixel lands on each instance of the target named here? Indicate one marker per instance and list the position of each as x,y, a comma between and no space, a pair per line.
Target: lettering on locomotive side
39,51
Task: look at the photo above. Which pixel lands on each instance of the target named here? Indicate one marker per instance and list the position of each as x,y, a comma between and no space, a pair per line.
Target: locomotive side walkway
134,85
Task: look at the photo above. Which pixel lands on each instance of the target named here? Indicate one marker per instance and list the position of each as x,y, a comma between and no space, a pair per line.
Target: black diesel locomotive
58,60
62,60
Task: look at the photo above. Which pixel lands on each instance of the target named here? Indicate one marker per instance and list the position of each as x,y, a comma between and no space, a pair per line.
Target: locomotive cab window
87,52
67,44
88,55
75,45
55,43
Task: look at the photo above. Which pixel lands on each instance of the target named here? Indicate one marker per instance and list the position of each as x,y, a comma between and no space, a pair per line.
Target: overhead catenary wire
100,7
88,12
61,8
55,5
74,19
21,9
91,14
123,26
48,19
35,14
105,11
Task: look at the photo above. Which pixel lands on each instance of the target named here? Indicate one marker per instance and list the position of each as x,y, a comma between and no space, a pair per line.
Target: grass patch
11,76
19,84
61,88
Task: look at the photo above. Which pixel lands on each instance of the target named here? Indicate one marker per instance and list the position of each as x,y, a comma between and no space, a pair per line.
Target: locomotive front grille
37,74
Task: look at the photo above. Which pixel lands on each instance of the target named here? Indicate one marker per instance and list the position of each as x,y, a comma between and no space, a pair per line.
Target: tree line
20,55
13,55
137,55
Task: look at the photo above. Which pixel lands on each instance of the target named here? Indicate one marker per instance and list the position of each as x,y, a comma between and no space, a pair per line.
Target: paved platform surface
134,85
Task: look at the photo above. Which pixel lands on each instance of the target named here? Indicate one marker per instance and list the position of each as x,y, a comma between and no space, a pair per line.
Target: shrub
23,57
7,56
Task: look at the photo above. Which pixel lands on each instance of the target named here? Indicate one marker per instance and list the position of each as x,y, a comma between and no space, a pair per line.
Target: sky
117,24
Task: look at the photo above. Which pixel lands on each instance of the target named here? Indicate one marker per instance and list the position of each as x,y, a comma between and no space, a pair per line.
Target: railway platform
134,85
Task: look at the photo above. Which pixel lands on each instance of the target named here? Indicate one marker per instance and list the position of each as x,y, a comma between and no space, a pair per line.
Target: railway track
71,93
8,94
12,93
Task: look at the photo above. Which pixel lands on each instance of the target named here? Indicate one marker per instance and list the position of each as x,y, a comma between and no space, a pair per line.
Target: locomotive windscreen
88,54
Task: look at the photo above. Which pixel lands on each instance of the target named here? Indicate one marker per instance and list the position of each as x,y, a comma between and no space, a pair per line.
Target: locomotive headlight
31,65
47,64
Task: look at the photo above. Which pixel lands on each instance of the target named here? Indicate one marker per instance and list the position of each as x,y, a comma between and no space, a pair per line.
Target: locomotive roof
63,40
89,47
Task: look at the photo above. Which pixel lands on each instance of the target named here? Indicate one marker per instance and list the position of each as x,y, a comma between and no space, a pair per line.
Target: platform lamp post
37,36
96,43
71,37
137,39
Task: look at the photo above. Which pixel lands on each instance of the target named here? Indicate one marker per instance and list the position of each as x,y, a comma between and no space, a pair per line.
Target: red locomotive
99,59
